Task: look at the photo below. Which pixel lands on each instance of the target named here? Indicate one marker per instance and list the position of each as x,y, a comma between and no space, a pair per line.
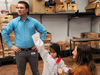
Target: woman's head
82,54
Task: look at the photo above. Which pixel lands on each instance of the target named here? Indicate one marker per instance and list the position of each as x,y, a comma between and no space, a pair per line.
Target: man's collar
28,18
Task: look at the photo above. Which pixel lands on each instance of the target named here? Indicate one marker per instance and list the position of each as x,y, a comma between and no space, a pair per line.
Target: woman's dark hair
26,5
84,56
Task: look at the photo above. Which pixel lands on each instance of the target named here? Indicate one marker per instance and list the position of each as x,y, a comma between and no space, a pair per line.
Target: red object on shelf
4,11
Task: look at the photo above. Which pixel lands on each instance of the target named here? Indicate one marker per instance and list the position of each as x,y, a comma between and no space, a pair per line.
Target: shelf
6,59
83,14
57,13
84,40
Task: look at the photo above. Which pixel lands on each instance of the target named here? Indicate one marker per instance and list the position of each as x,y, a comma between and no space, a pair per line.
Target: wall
57,24
95,24
77,26
81,4
3,5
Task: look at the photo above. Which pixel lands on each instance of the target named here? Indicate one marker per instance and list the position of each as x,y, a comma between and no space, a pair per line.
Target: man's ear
27,10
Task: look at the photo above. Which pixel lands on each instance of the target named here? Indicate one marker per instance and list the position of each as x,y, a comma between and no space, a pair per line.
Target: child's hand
60,70
69,70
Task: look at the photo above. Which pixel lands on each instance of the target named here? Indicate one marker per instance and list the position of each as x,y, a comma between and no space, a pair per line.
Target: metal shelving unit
86,40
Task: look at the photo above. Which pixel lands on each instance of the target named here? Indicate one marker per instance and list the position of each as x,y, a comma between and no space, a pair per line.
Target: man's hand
34,47
16,49
60,70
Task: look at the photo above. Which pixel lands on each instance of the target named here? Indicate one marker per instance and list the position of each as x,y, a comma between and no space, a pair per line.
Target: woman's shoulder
82,70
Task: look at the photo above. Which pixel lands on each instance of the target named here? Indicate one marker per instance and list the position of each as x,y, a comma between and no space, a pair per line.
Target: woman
84,64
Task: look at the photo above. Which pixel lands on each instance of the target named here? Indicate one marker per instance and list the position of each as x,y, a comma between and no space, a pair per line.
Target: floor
11,69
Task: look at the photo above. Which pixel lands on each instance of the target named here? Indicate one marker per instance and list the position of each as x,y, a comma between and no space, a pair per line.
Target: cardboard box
61,7
37,6
72,7
90,1
3,25
1,54
92,35
1,49
58,1
5,18
47,42
9,53
0,41
12,39
67,1
50,9
63,45
84,34
94,44
12,34
97,12
5,47
13,8
91,6
49,36
47,48
98,5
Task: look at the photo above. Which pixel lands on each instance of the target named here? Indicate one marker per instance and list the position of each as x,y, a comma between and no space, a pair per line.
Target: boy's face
53,53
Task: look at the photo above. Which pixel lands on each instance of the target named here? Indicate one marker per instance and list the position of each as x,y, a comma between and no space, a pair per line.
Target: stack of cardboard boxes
94,6
62,5
63,45
38,6
94,44
66,45
1,50
4,20
90,35
47,41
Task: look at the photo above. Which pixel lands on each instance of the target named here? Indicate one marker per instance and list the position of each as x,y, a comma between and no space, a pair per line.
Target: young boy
51,61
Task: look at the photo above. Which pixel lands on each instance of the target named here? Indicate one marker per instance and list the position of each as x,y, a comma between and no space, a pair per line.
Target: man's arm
41,29
5,33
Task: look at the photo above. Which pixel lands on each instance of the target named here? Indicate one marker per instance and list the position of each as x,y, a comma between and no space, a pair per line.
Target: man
24,27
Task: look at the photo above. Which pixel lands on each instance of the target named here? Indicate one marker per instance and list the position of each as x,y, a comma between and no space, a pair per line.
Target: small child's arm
63,66
43,52
40,46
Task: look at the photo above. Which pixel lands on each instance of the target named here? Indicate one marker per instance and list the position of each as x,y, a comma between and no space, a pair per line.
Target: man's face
22,10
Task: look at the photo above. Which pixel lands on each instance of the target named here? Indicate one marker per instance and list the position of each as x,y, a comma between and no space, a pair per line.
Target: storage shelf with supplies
85,40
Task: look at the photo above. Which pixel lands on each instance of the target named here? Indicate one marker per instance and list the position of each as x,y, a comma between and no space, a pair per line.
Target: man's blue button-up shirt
23,31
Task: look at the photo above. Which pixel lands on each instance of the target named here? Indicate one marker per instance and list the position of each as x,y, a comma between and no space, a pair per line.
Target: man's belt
26,49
